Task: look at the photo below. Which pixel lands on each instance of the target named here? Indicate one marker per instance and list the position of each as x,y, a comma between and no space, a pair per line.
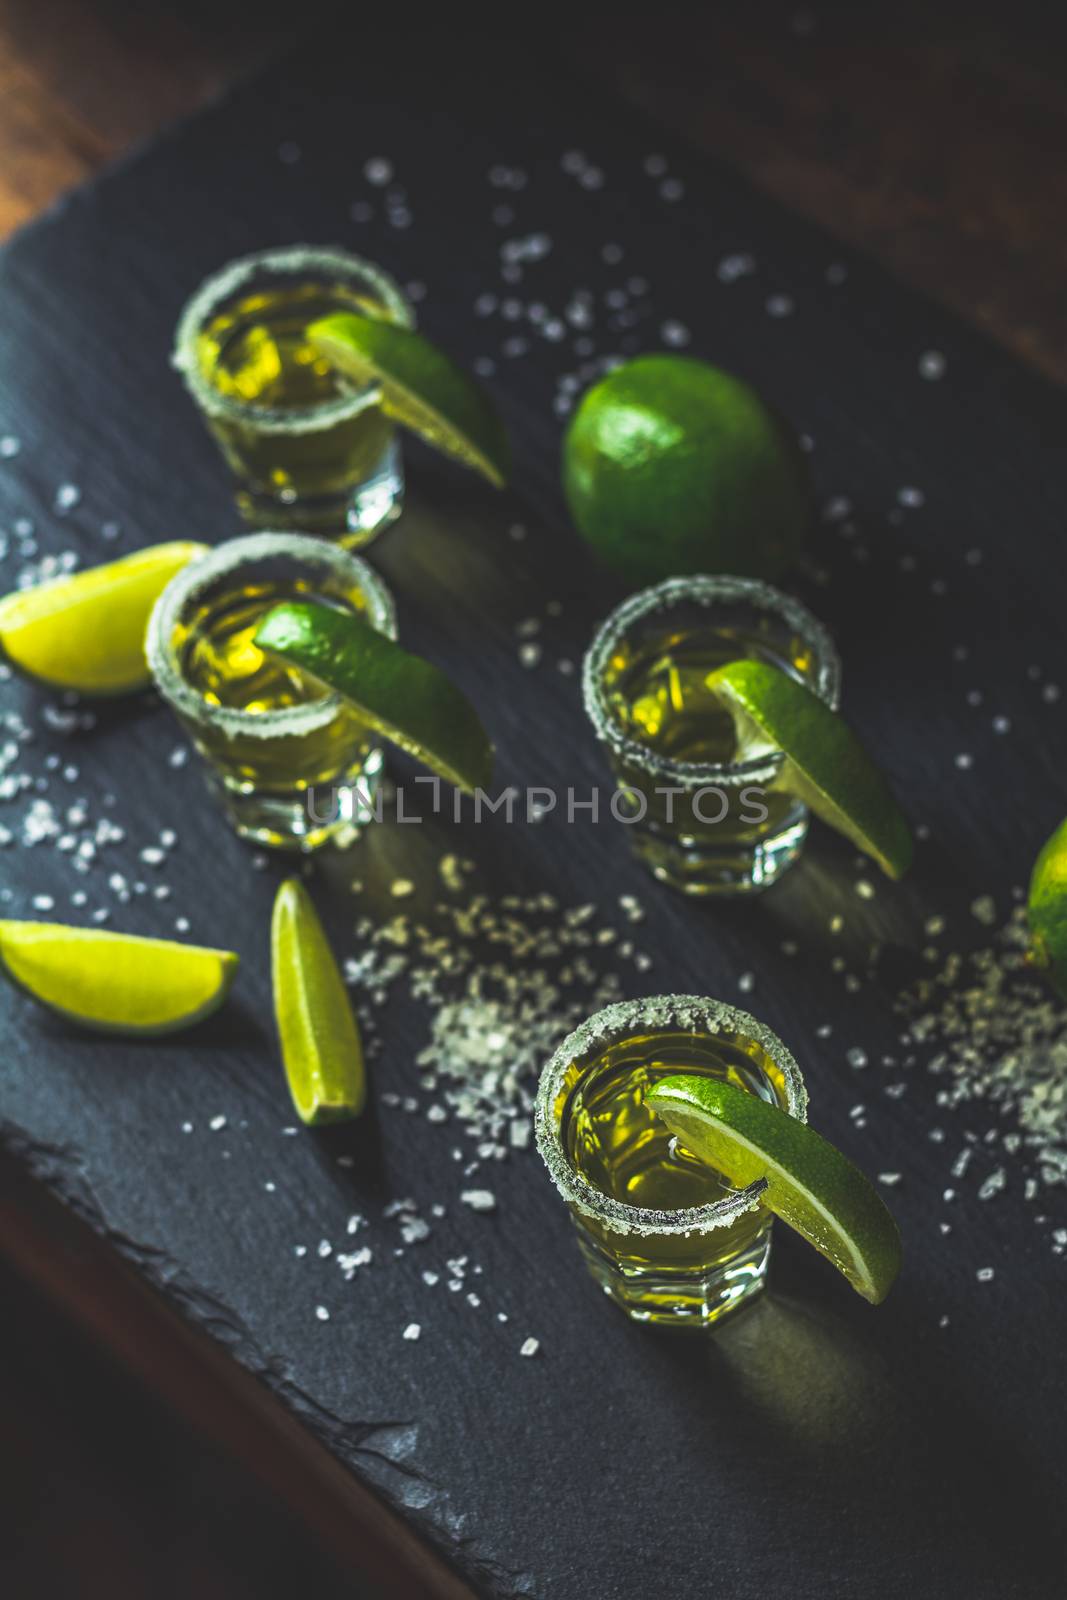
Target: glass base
377,502
678,1297
703,867
354,518
331,814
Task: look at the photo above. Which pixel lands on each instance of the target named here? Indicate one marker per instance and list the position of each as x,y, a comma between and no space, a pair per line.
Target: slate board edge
583,91
58,1169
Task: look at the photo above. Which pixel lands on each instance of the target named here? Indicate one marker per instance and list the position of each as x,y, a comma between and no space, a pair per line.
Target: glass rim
701,589
226,281
228,557
691,1013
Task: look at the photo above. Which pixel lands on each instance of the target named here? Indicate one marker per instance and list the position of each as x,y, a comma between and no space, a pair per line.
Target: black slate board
814,1446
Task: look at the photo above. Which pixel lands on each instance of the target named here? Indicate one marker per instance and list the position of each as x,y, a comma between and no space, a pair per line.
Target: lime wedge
404,698
422,388
321,1047
86,632
810,1184
115,982
1047,910
825,765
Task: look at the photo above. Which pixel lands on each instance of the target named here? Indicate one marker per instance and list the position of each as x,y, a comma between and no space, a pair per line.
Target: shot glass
703,812
293,766
664,1234
309,448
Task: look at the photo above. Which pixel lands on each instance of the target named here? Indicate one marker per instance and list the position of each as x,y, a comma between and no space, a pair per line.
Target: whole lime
671,465
1047,909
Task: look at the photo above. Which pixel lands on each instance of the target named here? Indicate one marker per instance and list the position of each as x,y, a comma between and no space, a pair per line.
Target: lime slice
422,388
1047,909
86,632
404,698
321,1047
825,765
810,1184
115,982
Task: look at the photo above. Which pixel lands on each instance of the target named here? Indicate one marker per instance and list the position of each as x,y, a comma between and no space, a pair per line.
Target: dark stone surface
814,1447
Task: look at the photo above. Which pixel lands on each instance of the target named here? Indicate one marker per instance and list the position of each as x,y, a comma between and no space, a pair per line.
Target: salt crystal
984,910
675,334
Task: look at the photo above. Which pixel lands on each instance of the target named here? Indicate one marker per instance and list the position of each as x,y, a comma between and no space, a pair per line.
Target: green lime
115,982
86,633
321,1047
810,1184
671,466
404,698
422,388
1047,908
825,765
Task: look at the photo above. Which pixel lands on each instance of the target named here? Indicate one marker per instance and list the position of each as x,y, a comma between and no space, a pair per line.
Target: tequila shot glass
293,765
309,448
703,812
664,1234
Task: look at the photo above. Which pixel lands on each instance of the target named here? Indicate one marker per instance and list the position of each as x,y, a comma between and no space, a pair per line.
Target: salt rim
226,558
224,283
702,590
697,1014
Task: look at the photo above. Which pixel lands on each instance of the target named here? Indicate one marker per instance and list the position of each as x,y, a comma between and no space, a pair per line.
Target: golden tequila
309,448
665,1235
705,814
295,766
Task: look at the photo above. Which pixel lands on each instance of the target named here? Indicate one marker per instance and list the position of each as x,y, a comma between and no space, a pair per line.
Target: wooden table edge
90,1282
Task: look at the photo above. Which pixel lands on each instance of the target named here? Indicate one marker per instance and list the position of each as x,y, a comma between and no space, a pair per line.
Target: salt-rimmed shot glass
309,448
294,766
702,812
665,1235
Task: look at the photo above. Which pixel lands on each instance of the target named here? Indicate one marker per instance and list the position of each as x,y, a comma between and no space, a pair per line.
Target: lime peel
824,764
672,467
321,1048
811,1185
115,982
403,697
1047,910
421,387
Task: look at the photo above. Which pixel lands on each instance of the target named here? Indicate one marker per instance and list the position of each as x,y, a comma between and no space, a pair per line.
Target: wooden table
934,139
